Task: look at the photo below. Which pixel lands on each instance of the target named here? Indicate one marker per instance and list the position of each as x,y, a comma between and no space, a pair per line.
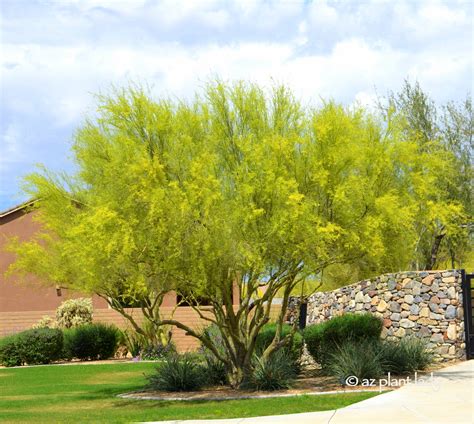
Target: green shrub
313,336
405,356
36,346
40,346
9,354
275,373
74,312
177,373
324,338
90,342
361,359
292,349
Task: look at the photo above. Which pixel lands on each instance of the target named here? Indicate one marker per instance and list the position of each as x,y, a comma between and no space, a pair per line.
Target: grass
87,393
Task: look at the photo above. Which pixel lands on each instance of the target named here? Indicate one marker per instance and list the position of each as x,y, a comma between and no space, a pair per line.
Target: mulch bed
309,385
313,382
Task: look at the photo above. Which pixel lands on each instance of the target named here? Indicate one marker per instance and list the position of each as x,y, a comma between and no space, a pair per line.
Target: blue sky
55,54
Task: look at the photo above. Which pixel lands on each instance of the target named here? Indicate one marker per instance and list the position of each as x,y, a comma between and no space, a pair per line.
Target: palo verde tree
214,199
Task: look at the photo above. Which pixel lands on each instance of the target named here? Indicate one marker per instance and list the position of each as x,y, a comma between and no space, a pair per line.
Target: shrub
313,335
9,354
275,373
74,312
36,346
323,339
408,355
361,359
45,322
177,373
40,346
90,342
292,349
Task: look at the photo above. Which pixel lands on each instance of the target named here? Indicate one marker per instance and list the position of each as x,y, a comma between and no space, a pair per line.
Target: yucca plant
177,373
274,373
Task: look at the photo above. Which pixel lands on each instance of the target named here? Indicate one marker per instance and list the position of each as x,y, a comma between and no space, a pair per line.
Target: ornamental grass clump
177,373
356,359
407,355
373,358
277,372
214,370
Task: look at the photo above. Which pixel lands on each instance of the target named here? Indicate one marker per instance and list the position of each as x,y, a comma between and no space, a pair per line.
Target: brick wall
13,322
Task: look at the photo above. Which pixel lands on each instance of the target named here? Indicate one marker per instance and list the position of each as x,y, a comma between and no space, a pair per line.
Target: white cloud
54,57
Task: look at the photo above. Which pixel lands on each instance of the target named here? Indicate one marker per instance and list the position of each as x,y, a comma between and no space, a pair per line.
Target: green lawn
86,394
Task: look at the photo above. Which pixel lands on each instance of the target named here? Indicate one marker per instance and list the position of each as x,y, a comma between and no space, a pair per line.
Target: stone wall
427,304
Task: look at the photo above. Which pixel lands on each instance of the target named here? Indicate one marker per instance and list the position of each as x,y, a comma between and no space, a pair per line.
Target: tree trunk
433,259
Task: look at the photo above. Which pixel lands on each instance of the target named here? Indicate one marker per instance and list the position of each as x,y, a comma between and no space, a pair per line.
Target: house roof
17,208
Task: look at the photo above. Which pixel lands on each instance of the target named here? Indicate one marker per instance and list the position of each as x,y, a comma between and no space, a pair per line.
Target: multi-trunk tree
238,190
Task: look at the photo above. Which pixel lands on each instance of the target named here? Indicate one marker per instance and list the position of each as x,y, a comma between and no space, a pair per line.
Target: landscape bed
308,386
88,393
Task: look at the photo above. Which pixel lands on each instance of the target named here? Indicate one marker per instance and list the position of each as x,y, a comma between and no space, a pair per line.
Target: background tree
442,179
457,129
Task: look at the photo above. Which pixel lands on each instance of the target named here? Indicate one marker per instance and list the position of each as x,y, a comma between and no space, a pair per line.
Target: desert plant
74,312
215,370
405,356
157,351
9,354
35,346
313,335
324,338
274,373
132,341
45,322
40,346
361,359
292,349
177,373
247,168
90,342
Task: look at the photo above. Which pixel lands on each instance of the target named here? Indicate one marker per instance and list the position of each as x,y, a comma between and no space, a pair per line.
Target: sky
56,54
